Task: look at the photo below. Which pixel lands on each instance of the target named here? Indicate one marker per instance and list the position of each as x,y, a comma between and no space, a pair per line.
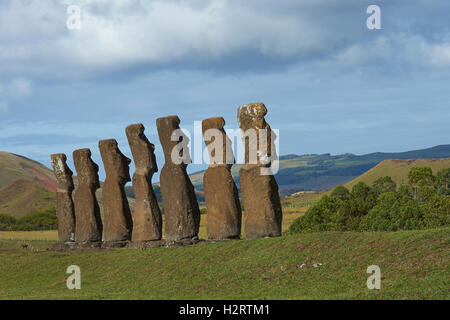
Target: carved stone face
87,170
211,128
143,151
172,138
117,165
62,172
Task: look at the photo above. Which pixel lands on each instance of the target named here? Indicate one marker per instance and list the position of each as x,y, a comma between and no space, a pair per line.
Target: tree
443,177
341,192
419,176
382,185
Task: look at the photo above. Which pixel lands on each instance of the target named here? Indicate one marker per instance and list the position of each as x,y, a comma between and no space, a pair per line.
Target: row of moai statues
79,219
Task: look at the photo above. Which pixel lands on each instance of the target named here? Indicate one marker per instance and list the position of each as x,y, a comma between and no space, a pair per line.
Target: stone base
68,246
96,246
114,244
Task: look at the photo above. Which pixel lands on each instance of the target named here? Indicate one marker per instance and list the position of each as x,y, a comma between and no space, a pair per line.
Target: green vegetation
423,203
414,265
42,220
397,170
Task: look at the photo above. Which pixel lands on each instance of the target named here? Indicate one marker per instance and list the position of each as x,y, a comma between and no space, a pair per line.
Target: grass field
414,265
52,235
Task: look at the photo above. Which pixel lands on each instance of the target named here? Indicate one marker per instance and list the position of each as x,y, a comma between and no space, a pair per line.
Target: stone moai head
87,170
63,173
217,141
174,142
256,133
117,165
142,150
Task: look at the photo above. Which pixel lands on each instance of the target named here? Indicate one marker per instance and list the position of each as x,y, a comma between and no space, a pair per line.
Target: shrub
422,204
319,217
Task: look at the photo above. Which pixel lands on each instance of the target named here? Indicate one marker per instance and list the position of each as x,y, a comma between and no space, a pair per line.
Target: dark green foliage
42,220
320,217
382,185
420,205
341,192
443,177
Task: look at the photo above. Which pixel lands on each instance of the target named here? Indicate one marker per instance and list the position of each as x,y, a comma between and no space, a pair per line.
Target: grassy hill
414,265
25,185
297,173
398,170
14,167
22,197
323,172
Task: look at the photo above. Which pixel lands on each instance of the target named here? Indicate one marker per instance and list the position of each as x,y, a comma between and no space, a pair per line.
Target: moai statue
64,204
259,189
88,227
221,195
118,222
181,211
147,221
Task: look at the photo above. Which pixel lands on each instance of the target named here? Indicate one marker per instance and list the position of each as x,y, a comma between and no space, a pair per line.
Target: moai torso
118,222
147,221
88,227
221,195
181,211
260,198
64,204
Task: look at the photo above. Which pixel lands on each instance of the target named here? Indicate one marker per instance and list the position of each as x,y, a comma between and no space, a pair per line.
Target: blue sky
330,84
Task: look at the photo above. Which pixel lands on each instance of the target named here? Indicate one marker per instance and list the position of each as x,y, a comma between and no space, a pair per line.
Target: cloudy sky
331,85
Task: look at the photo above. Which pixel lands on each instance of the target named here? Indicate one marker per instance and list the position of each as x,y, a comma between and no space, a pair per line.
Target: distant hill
315,172
14,167
398,170
297,173
27,186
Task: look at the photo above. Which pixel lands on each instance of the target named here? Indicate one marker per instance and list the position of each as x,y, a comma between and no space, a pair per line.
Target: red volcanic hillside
25,185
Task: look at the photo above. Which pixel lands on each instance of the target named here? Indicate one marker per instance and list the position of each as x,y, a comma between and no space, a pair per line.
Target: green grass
414,265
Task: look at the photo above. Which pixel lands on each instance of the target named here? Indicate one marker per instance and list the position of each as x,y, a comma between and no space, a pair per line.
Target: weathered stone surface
260,198
64,205
221,195
261,201
147,221
88,227
181,211
118,222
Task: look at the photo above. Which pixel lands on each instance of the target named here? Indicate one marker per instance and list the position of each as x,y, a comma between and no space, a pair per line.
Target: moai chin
181,211
64,204
221,195
88,226
118,222
260,198
147,221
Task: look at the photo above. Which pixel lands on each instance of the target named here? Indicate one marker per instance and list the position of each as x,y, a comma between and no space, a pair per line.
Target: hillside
323,172
398,170
14,167
25,185
297,173
414,265
22,197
